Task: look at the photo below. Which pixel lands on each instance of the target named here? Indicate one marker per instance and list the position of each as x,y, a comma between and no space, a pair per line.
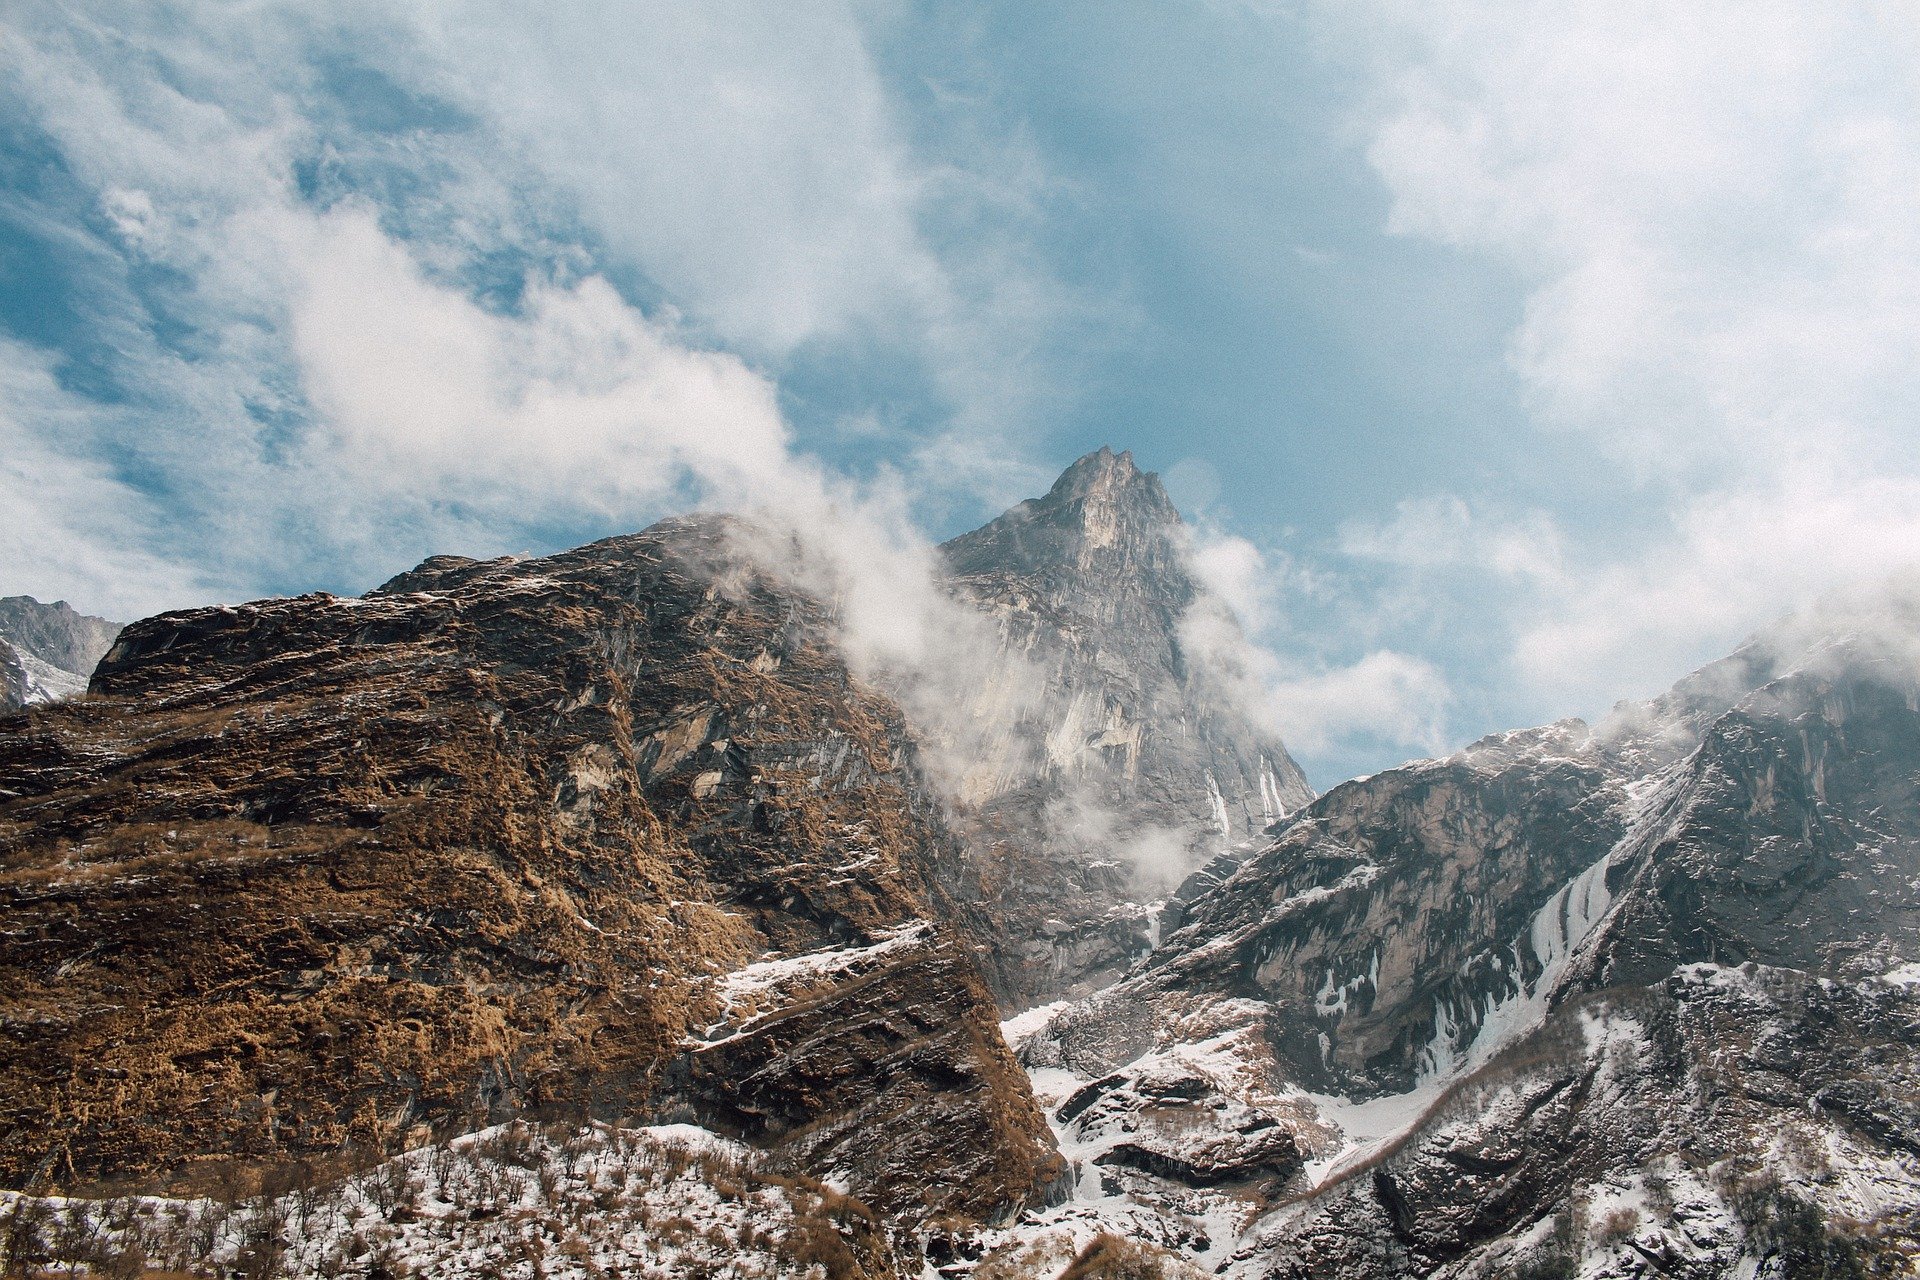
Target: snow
514,1201
1203,1225
1366,1128
745,992
1331,1000
1272,808
1554,935
1021,1027
1906,975
1219,803
46,682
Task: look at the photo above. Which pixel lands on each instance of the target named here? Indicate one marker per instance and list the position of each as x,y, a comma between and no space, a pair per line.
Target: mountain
1634,1000
1126,765
47,651
609,835
589,915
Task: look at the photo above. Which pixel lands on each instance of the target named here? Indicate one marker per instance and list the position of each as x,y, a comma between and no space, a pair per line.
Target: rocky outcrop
1382,923
1629,1001
1722,1122
47,651
1788,838
318,876
1120,763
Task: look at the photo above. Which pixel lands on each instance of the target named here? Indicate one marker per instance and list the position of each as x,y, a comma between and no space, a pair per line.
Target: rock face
1725,1122
1636,1000
614,838
1123,765
47,651
611,833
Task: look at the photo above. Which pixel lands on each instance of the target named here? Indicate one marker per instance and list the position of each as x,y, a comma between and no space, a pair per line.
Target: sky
1508,359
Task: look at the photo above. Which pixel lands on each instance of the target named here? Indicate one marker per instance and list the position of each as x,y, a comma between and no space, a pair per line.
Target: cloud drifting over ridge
1716,215
351,396
400,334
1238,632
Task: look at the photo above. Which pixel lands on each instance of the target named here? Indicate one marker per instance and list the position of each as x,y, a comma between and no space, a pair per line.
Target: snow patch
1022,1027
745,993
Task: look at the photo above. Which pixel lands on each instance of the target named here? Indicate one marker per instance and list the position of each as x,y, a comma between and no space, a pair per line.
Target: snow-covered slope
47,651
1599,1001
563,1201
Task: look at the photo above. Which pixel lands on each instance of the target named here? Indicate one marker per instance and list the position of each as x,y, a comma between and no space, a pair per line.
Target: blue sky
1509,359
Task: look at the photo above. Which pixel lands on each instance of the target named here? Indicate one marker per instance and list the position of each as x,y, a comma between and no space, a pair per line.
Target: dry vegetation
517,1201
320,879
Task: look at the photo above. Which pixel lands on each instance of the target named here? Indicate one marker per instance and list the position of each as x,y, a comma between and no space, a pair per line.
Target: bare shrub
439,1165
1617,1227
1110,1257
512,1144
25,1235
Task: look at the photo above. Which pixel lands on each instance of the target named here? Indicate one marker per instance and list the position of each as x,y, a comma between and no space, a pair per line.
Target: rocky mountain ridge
609,834
613,841
47,651
1615,1002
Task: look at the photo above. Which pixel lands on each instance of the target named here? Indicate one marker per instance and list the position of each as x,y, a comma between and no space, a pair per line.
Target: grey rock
47,651
1132,766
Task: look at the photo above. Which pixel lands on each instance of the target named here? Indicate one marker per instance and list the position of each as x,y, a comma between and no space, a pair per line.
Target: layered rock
1494,998
47,651
1119,762
322,875
1722,1122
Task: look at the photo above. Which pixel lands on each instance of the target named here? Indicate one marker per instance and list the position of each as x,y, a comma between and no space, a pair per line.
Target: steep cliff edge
47,651
1629,1001
1124,766
610,833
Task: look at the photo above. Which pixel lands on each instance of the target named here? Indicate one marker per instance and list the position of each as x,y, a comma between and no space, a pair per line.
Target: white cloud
1741,558
72,529
1444,531
1237,632
348,400
749,159
1236,571
1715,211
577,400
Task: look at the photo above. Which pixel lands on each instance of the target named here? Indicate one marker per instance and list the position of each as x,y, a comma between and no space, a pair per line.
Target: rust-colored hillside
318,877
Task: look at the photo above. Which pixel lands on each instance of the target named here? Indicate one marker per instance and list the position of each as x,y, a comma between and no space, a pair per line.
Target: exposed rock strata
1128,764
320,873
1624,1000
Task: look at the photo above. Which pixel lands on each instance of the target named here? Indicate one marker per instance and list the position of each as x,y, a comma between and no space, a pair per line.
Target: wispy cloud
1715,212
1320,705
358,267
72,530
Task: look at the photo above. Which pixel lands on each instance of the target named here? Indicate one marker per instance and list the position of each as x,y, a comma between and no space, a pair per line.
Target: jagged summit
1103,515
47,651
1133,766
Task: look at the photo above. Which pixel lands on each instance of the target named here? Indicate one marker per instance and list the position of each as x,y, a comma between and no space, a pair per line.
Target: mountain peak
1105,476
1103,512
49,649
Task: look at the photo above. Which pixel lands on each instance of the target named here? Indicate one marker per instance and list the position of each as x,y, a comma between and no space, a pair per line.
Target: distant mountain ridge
47,651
